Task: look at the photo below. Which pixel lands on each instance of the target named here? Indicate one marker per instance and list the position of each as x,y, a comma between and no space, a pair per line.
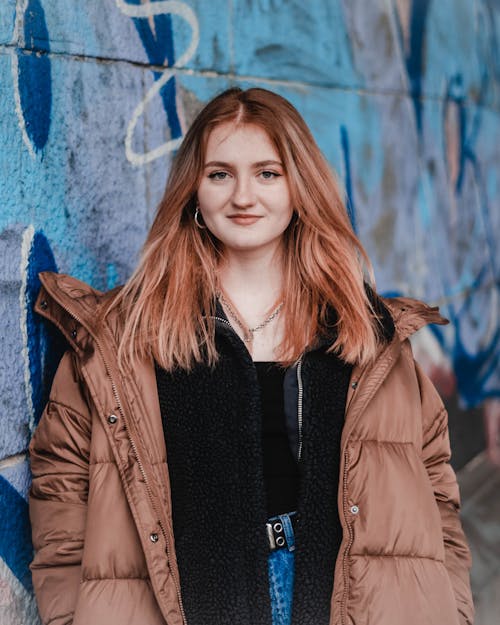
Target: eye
218,175
269,175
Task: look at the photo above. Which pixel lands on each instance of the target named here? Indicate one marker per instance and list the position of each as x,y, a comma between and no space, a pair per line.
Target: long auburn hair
168,304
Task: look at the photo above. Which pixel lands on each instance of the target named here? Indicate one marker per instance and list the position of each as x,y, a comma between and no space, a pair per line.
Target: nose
243,196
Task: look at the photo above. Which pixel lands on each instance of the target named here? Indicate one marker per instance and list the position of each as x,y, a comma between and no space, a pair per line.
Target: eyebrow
258,164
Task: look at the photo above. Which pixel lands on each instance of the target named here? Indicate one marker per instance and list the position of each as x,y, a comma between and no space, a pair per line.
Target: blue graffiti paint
390,293
159,46
414,57
474,370
16,549
35,88
488,10
344,143
455,97
45,344
489,231
467,156
112,276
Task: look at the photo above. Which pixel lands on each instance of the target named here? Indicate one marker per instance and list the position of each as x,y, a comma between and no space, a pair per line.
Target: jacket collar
72,306
409,315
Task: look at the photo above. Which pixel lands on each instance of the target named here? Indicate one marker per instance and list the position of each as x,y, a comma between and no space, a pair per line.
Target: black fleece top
212,420
213,432
281,472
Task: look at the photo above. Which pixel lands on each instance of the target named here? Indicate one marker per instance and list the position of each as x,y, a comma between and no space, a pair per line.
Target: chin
248,241
251,246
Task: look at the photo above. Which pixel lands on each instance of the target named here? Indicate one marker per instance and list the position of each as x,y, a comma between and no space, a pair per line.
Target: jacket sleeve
436,455
59,453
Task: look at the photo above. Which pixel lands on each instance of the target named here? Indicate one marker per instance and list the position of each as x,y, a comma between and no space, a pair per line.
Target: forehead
239,140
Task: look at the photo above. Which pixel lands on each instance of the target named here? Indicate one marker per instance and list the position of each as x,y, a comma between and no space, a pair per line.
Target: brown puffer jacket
100,501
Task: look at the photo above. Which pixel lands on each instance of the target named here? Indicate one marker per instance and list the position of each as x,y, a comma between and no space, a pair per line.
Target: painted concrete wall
403,97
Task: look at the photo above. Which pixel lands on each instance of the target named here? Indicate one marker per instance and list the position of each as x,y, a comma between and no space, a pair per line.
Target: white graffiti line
147,10
17,605
17,103
11,461
26,245
137,158
18,40
18,33
167,6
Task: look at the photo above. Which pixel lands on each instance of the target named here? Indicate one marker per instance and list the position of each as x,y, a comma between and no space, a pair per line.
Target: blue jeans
281,573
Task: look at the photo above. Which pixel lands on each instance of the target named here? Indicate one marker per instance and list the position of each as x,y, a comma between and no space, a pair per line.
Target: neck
252,277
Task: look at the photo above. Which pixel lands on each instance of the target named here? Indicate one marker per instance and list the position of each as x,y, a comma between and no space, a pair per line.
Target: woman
240,435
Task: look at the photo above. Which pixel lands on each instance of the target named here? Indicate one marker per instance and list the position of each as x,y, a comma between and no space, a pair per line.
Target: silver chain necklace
236,318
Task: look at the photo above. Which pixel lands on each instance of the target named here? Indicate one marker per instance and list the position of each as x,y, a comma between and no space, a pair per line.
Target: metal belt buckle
276,535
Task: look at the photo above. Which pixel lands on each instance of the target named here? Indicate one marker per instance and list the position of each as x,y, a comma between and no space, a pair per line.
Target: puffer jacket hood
100,469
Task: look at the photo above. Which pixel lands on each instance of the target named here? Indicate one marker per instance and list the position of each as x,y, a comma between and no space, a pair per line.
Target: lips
244,220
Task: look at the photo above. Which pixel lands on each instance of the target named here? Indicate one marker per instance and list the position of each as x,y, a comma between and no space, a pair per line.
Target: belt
276,535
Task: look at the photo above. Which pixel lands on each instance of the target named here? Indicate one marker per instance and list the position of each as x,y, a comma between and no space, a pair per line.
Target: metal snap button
277,527
43,304
354,509
112,419
354,384
73,333
153,537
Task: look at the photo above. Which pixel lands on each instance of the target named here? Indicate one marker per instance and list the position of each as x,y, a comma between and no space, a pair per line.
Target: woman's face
244,196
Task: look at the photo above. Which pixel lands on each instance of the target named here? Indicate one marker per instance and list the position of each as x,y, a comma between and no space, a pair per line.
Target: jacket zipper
343,605
148,488
139,463
300,387
347,518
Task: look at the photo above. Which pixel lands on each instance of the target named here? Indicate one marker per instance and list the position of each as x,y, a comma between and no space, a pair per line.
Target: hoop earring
196,219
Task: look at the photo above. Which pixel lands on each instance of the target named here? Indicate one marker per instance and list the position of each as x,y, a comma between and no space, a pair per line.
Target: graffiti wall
403,97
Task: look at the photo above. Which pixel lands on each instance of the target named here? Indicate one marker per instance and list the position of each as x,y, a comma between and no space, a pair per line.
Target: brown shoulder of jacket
67,302
410,314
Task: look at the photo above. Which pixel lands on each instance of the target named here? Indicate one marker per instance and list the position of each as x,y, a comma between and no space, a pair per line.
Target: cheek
284,206
211,196
281,198
287,214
